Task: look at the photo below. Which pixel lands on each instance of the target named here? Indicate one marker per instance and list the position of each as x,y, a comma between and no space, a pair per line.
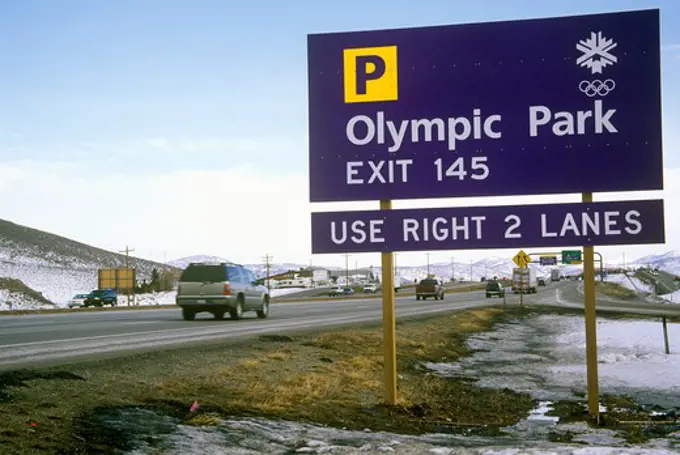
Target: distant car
541,282
340,290
371,288
494,288
221,288
336,291
77,301
101,297
430,287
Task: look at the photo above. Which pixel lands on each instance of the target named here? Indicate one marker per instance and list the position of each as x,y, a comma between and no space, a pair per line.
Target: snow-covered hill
668,262
182,263
56,266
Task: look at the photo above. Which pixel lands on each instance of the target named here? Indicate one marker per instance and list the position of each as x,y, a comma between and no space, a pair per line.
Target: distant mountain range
669,262
488,267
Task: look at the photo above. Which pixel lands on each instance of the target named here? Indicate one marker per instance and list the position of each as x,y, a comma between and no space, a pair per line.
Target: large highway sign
486,109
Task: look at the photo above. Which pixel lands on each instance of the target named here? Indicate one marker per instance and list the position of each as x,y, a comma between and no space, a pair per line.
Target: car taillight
226,290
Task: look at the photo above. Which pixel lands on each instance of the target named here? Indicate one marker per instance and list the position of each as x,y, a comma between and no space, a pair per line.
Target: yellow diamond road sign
521,259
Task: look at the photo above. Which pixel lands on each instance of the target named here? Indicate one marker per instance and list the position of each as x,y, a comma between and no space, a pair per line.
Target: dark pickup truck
101,297
430,287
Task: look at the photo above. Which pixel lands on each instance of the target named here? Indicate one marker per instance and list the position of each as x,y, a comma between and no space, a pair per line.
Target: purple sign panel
467,228
558,105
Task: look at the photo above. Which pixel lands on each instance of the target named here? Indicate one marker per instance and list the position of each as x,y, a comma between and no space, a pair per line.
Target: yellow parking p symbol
370,74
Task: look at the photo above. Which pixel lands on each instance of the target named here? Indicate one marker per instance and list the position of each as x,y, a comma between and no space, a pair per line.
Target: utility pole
127,252
267,265
346,270
453,269
428,263
471,280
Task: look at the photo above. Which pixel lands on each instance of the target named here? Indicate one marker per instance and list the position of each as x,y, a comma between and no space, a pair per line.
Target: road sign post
389,321
591,325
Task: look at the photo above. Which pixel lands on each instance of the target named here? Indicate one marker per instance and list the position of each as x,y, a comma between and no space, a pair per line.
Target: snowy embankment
10,300
629,282
24,302
641,287
168,298
56,283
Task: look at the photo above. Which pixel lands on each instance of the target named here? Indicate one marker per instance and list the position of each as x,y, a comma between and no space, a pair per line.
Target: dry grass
614,290
333,378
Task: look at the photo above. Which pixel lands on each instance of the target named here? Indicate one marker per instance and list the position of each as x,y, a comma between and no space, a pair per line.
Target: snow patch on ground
629,282
673,297
286,291
630,353
258,436
57,283
18,300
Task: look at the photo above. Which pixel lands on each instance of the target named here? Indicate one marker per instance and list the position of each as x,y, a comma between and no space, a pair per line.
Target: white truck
555,275
524,281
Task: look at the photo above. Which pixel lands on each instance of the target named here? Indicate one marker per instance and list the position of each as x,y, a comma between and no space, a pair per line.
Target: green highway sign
571,257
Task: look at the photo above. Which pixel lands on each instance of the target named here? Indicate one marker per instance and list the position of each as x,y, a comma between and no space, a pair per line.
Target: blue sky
84,79
147,87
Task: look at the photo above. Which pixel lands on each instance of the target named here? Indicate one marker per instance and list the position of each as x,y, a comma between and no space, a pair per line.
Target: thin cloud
672,49
217,145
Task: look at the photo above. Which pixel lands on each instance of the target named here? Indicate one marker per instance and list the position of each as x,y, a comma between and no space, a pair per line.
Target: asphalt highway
57,338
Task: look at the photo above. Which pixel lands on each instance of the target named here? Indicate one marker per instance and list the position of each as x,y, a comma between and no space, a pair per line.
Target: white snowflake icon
596,52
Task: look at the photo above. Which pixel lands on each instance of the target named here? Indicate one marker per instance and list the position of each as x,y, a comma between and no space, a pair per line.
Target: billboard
463,228
538,106
120,279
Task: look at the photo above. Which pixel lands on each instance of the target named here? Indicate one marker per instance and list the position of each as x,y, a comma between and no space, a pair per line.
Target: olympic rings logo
597,87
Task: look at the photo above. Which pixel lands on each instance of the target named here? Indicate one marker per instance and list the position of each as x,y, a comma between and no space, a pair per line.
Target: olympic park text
364,130
601,223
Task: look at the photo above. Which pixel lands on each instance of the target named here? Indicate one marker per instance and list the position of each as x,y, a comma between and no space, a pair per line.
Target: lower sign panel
467,228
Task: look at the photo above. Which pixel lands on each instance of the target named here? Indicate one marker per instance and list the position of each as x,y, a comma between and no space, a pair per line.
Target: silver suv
218,288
